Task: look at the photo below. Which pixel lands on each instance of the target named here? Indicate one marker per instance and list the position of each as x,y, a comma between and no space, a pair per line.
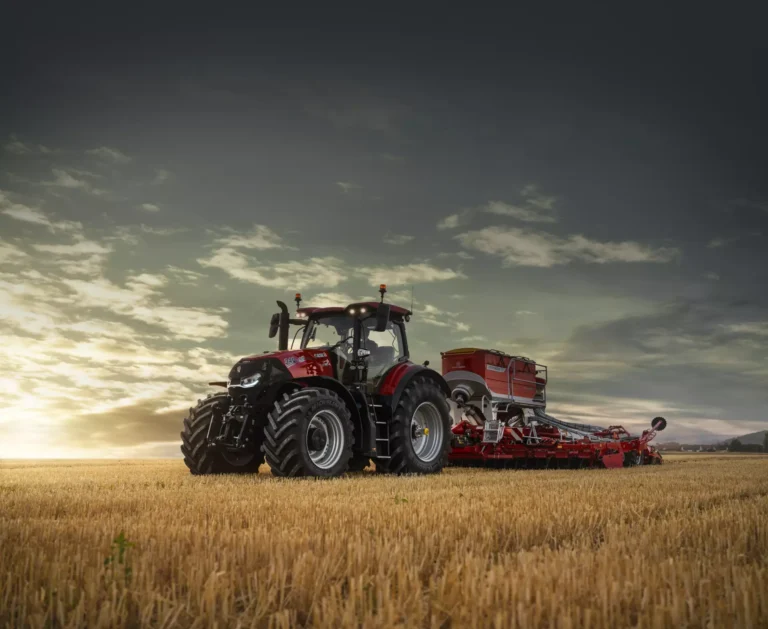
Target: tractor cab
364,339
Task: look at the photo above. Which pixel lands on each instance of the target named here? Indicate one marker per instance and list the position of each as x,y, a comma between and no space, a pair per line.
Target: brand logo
495,368
320,355
290,361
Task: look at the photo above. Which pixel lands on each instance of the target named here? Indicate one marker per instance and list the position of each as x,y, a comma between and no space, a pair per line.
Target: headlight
250,381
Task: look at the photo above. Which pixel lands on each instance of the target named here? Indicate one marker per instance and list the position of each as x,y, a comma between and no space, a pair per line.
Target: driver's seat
380,357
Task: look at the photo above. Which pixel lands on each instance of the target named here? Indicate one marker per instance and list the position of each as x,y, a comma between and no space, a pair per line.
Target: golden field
681,545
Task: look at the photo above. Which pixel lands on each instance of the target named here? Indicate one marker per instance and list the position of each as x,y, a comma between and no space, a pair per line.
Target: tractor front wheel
420,432
194,442
309,433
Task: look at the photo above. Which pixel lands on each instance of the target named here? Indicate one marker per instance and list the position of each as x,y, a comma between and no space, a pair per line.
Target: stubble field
681,545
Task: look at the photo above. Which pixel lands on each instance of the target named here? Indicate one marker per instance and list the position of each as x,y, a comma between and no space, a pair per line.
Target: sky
589,191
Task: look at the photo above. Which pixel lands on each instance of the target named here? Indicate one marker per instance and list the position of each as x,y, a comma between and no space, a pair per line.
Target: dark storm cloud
166,175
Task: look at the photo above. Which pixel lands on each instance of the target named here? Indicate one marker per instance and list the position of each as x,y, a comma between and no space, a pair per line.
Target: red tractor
347,394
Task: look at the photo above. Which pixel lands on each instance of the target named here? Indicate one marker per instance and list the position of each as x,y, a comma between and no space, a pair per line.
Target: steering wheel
342,353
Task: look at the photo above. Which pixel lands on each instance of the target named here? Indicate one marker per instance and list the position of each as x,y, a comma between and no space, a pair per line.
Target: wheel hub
325,439
317,439
427,432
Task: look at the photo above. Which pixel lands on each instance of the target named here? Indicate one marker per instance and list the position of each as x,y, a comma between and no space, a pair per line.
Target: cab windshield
328,330
385,347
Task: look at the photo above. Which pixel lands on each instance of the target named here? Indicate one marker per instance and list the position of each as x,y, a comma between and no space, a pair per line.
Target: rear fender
400,379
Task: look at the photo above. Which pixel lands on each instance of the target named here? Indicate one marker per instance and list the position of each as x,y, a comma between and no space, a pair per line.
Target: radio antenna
411,297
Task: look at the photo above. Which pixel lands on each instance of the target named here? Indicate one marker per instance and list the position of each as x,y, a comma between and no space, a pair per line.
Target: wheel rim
325,439
427,432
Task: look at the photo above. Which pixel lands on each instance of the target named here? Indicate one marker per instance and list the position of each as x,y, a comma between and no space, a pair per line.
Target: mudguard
396,380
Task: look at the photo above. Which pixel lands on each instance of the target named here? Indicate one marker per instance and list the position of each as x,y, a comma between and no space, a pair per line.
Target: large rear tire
309,433
420,432
194,445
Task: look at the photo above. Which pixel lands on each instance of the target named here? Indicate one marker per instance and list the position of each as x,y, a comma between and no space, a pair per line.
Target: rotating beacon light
382,290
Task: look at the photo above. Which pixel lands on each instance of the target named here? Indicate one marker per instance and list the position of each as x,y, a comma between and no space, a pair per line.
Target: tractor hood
279,366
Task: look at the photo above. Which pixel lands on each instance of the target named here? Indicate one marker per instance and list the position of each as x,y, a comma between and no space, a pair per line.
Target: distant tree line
736,446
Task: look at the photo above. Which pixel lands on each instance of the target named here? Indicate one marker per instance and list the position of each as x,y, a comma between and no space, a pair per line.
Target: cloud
438,317
320,271
750,328
451,221
535,198
474,338
161,176
81,257
110,155
397,239
372,117
535,214
260,237
72,348
10,254
17,147
665,356
525,247
712,276
227,255
327,300
149,207
140,299
751,204
185,276
161,231
719,242
534,207
347,187
26,214
524,312
65,179
401,274
79,248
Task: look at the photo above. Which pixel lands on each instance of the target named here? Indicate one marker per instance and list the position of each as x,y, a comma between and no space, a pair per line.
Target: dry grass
682,545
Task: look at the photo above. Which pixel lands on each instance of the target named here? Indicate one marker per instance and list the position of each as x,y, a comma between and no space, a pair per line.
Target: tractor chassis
228,431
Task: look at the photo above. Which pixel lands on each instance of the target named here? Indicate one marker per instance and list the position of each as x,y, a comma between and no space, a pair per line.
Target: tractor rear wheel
309,433
194,442
420,432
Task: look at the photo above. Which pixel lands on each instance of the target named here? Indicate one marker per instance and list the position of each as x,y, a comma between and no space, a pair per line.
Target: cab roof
370,305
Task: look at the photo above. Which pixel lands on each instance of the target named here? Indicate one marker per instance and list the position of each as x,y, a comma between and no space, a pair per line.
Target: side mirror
274,324
382,318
